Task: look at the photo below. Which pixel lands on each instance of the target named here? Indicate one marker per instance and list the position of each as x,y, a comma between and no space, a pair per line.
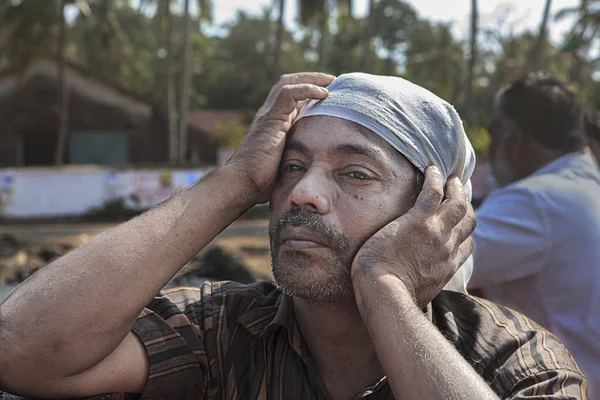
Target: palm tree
185,83
317,14
63,121
472,62
170,92
31,30
205,14
393,23
278,39
538,49
368,35
584,31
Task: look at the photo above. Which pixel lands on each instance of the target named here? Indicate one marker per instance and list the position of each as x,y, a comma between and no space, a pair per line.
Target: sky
526,14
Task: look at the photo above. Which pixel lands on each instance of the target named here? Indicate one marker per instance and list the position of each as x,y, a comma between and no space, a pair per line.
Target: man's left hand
424,247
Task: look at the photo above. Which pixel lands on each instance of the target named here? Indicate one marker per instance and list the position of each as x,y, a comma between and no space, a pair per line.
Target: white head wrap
421,126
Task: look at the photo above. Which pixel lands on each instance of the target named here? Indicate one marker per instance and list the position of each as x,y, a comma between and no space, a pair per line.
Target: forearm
418,361
75,312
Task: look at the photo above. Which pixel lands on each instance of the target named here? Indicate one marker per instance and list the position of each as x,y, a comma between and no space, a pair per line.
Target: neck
538,157
338,326
339,344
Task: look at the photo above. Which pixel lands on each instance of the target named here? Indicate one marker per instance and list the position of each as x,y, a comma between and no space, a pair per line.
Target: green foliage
231,133
480,139
126,42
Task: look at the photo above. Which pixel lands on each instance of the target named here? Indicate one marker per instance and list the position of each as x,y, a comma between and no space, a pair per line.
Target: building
108,125
217,123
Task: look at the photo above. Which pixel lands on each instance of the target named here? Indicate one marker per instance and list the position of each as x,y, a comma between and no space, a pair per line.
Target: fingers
314,78
432,193
464,251
290,95
455,206
464,229
317,79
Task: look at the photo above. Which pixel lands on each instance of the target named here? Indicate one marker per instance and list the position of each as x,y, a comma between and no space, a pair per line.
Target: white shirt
537,251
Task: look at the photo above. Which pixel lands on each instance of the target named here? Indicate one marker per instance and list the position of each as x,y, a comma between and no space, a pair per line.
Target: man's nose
312,192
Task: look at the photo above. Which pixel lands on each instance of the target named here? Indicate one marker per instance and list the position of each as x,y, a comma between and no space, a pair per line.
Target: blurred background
108,107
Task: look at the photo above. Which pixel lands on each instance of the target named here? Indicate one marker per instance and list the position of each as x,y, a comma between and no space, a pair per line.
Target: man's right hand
259,154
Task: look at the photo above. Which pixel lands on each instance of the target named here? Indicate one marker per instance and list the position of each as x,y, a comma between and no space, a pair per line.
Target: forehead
322,133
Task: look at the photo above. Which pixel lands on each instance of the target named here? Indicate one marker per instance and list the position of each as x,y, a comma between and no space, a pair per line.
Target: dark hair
591,124
419,181
546,109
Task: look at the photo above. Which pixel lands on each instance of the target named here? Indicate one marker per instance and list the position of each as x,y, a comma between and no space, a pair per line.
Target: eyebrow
340,150
356,150
297,146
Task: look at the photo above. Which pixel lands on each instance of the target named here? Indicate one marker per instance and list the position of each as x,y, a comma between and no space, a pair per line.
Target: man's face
502,134
338,184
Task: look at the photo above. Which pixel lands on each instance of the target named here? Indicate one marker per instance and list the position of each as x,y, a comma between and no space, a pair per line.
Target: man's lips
300,239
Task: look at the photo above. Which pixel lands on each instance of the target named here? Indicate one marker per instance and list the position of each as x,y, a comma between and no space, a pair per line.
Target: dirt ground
36,244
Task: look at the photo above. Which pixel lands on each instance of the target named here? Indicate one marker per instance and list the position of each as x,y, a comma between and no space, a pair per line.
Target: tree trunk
367,35
538,49
170,86
278,41
578,70
323,30
472,63
63,120
185,85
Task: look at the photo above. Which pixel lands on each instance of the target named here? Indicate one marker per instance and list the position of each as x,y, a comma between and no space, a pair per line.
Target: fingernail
324,90
433,169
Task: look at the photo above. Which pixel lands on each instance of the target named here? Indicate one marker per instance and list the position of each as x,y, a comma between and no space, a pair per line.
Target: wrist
370,290
240,188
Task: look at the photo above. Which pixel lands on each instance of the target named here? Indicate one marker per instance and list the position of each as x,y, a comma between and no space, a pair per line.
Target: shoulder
518,195
503,346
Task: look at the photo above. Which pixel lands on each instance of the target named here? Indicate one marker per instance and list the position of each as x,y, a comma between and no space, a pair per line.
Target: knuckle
429,204
470,243
448,249
285,93
472,221
461,207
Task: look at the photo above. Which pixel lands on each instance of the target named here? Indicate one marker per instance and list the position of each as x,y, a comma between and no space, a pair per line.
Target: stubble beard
319,280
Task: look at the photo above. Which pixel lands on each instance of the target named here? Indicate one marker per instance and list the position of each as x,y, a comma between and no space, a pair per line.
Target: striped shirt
231,341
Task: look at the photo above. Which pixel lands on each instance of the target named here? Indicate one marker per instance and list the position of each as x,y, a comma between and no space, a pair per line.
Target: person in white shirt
537,243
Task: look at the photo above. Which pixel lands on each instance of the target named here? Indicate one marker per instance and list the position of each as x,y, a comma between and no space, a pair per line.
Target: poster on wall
7,190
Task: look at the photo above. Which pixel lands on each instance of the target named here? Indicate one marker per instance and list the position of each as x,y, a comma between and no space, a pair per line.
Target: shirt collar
568,159
260,320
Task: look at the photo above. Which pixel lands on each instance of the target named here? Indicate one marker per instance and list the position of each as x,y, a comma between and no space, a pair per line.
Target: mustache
297,217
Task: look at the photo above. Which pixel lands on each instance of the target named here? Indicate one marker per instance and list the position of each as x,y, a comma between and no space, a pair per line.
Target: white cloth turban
421,126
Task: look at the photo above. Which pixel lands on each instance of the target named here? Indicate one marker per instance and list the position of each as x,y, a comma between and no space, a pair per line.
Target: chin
315,278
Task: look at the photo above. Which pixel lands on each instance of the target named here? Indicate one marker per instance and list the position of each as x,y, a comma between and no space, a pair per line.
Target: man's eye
291,168
359,176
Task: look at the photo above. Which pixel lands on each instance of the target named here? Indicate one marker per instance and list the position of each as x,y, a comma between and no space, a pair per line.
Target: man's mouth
301,239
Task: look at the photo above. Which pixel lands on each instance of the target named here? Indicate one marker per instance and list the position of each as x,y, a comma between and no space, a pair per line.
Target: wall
71,191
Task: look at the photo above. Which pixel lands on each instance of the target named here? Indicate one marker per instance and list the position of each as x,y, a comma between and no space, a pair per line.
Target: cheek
278,199
361,218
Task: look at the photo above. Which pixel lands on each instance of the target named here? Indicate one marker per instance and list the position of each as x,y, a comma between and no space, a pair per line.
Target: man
360,254
536,243
591,126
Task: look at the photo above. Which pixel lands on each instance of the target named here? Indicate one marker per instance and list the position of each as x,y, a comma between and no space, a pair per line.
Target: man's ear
515,141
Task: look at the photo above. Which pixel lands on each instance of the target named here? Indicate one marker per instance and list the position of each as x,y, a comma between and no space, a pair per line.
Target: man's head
353,163
534,121
591,127
339,183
